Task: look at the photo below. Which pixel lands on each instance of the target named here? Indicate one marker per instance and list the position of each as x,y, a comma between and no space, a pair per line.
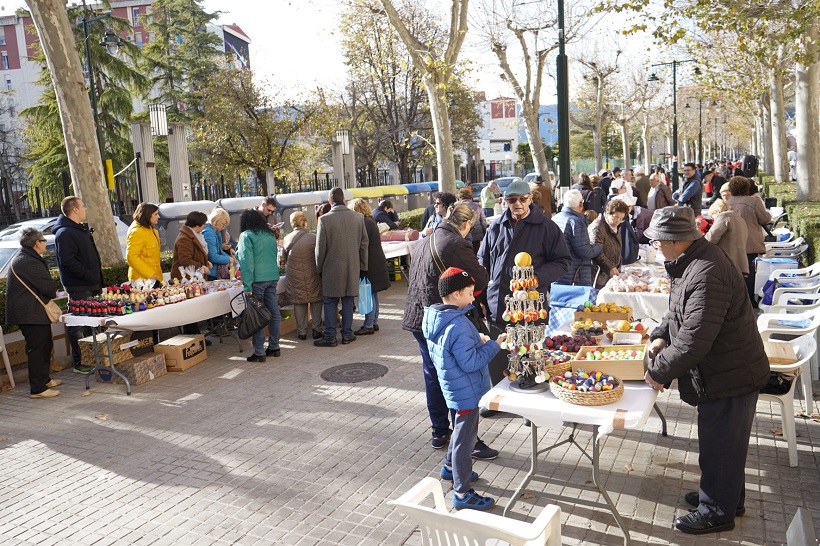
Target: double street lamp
112,43
654,78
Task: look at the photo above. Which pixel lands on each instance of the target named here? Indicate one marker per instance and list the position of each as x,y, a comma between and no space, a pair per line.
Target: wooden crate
602,317
627,370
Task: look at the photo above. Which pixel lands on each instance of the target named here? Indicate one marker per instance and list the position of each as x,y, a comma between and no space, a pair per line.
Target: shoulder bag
53,311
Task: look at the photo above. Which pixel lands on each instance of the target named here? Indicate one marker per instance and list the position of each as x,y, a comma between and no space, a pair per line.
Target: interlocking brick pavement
231,452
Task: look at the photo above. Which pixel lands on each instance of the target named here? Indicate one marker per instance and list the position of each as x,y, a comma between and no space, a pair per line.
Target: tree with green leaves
181,55
246,126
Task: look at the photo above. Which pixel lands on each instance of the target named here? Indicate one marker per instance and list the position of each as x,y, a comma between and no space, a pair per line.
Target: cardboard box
123,347
602,317
288,323
182,352
627,370
780,352
139,370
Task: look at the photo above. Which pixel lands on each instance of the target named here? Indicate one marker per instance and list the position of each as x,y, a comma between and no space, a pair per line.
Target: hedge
114,274
803,217
412,218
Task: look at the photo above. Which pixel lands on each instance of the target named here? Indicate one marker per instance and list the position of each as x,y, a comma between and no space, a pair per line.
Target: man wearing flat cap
709,342
521,228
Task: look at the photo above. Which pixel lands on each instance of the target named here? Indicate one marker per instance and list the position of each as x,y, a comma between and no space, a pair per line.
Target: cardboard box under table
182,352
137,371
625,370
124,346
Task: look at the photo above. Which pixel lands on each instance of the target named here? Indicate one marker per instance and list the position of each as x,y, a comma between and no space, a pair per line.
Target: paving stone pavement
231,452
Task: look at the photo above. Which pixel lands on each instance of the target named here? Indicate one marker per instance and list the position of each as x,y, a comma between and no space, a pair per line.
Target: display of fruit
604,308
626,326
602,353
569,344
523,259
587,382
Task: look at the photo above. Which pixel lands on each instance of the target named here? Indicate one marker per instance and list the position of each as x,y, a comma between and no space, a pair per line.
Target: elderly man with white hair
642,185
573,224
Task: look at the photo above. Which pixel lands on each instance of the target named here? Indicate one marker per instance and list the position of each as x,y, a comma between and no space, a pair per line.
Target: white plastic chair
470,527
794,302
804,348
783,231
806,288
769,323
6,358
790,244
795,252
813,271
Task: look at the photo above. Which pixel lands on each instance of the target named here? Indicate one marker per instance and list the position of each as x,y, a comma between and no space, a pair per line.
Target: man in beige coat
341,260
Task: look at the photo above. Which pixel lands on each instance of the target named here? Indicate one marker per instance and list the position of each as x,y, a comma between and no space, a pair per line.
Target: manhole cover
354,373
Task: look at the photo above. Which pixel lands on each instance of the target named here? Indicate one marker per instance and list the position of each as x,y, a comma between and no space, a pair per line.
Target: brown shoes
50,393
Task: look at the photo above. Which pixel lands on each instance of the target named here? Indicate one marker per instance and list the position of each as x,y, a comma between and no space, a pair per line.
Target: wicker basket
587,398
559,369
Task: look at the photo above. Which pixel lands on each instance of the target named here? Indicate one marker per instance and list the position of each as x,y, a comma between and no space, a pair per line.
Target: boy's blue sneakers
447,474
473,501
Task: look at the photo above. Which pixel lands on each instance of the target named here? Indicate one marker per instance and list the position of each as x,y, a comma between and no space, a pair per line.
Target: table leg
600,487
663,419
115,371
533,468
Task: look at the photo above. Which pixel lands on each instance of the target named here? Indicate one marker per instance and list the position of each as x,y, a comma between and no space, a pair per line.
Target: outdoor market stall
214,303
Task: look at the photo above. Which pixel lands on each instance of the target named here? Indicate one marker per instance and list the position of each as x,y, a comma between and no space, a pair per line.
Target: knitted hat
452,280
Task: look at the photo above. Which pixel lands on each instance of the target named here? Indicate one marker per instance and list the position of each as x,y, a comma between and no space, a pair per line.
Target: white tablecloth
394,249
545,410
644,304
193,310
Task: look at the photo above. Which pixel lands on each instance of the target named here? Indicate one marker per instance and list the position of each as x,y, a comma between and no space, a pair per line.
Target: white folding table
545,410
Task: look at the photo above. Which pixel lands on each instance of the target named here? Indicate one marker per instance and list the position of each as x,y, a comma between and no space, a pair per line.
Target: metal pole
700,131
563,103
674,125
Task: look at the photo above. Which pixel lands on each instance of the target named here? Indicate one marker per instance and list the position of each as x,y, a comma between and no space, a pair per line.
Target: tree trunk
625,143
647,157
768,152
84,161
439,112
806,113
780,160
539,158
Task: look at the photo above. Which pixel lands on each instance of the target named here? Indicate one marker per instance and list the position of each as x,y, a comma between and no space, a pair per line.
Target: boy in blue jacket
461,356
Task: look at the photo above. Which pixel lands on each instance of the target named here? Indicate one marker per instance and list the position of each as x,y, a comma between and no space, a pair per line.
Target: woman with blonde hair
218,220
376,268
303,286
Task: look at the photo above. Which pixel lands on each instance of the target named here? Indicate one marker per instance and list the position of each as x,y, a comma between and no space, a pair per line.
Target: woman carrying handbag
29,291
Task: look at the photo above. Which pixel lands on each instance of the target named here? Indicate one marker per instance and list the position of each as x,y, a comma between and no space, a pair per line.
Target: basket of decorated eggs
587,388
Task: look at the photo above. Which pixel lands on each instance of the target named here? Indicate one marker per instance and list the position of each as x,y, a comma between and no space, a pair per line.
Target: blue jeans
436,405
459,452
329,311
266,291
372,318
489,212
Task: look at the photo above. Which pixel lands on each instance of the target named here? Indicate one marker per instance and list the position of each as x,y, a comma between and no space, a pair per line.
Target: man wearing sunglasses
522,228
268,210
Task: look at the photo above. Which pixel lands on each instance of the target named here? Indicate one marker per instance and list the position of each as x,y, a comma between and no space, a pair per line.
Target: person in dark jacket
574,226
521,229
604,230
691,191
79,265
29,286
709,342
446,247
376,265
386,214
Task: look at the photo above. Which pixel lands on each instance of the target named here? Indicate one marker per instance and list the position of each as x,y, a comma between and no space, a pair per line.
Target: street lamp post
112,43
563,103
654,78
700,129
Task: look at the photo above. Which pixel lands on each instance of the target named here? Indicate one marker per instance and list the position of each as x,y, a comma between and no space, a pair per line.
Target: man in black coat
709,342
79,264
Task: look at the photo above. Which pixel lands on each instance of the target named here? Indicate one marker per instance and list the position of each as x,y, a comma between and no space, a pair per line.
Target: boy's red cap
452,280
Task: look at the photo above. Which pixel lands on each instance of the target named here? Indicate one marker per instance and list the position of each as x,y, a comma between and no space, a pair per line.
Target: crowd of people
462,259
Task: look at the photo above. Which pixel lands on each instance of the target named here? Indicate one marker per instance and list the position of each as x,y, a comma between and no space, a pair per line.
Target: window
4,59
138,38
2,35
135,17
8,83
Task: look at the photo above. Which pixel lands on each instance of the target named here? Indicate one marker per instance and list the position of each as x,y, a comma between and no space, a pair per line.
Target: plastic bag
365,305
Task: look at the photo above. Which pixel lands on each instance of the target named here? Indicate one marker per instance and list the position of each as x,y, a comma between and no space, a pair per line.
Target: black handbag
254,317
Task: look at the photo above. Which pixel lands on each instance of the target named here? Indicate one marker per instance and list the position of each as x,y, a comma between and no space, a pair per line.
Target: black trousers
75,333
38,350
724,427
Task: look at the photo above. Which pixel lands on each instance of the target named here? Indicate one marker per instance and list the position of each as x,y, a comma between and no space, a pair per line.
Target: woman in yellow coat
142,246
